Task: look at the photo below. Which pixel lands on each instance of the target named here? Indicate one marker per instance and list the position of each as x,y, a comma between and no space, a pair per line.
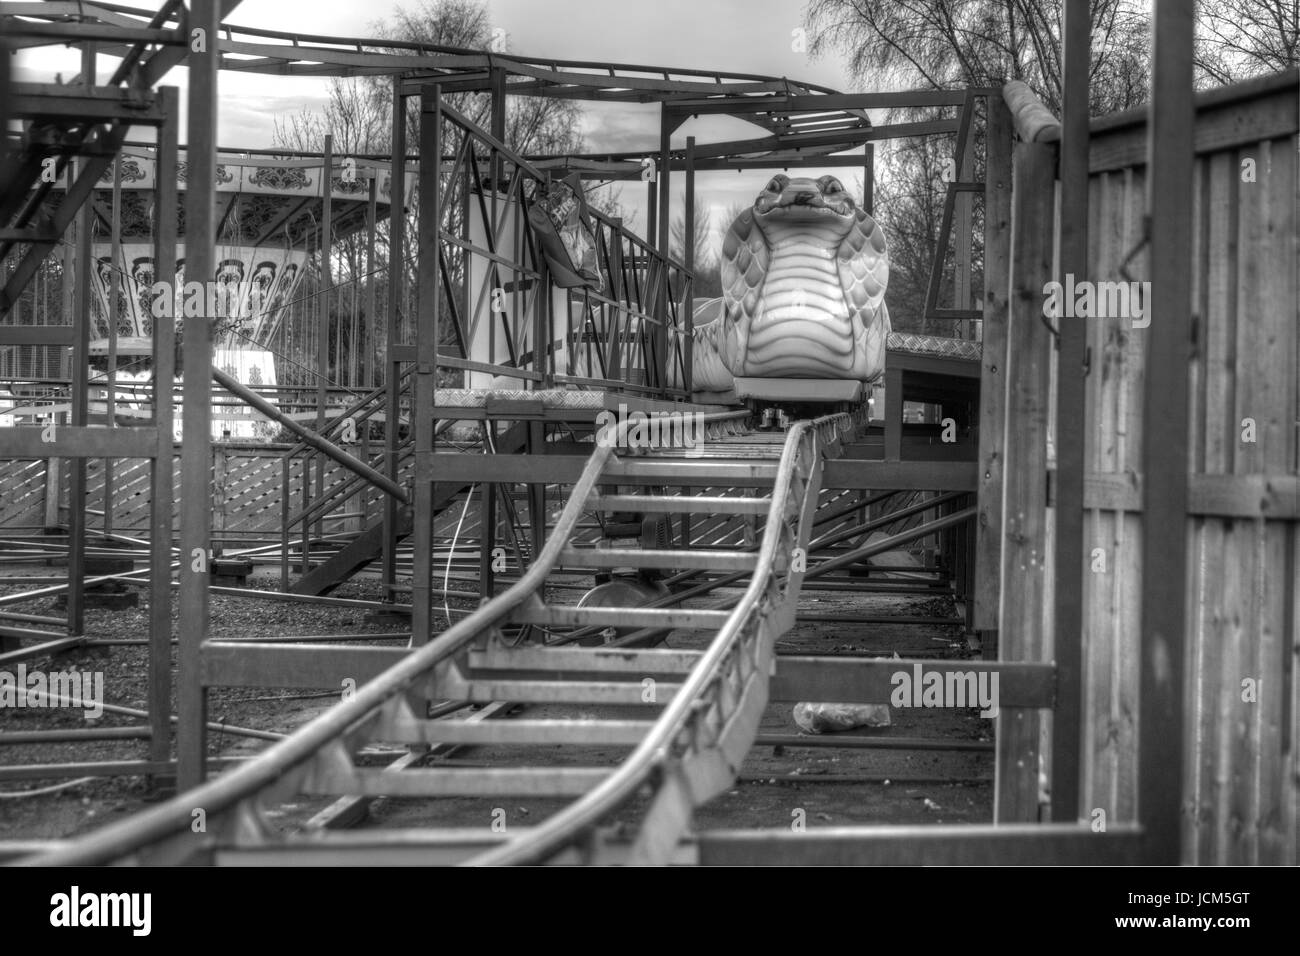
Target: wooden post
196,455
992,444
1071,433
1164,433
220,465
1024,503
53,491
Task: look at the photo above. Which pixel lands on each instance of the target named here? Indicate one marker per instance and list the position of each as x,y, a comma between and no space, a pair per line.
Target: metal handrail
655,263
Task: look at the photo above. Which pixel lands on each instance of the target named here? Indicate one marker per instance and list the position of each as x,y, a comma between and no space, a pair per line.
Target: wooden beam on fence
1016,845
874,681
1034,122
80,442
58,335
993,368
1164,434
1071,433
1024,505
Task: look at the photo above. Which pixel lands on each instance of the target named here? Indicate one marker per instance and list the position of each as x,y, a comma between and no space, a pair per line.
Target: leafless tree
1237,39
954,44
950,44
359,116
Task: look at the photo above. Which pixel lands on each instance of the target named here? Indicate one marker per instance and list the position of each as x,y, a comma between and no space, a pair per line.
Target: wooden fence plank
1023,611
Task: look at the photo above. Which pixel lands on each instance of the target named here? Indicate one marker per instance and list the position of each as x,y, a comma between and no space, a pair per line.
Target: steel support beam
196,450
392,366
161,469
426,366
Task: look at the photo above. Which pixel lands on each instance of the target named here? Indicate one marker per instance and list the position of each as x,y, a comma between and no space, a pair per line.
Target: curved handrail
224,792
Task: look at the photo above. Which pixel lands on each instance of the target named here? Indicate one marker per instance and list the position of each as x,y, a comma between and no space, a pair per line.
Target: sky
751,36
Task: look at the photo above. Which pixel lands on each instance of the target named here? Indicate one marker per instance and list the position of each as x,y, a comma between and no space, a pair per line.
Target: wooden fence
1242,619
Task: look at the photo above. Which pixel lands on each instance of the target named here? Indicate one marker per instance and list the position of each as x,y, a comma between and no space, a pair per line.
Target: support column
961,233
1164,435
393,368
370,334
869,178
667,123
1071,433
1024,519
80,388
426,351
993,381
162,469
196,449
688,294
114,292
323,344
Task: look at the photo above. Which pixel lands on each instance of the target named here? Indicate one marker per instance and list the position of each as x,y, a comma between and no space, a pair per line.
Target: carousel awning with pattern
270,216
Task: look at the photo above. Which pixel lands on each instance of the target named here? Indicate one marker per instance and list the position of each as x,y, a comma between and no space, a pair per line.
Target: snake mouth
804,205
804,199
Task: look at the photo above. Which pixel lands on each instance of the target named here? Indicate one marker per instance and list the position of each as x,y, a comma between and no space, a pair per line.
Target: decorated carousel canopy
270,214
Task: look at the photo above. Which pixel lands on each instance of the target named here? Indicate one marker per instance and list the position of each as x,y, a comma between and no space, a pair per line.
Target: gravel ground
88,804
831,786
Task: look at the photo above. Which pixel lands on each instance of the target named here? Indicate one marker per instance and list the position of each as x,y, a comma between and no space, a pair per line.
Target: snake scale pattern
804,272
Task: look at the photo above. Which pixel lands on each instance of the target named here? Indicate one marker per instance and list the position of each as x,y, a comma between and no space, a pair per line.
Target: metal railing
497,290
315,506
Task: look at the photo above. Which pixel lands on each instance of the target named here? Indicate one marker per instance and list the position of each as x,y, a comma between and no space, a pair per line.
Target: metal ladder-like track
706,705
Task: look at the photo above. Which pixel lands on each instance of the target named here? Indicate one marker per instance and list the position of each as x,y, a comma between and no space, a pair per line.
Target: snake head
803,198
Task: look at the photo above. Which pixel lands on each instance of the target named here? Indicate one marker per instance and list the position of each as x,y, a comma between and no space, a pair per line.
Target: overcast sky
750,36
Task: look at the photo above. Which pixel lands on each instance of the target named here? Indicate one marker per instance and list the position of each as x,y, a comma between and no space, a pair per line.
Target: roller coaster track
709,702
796,111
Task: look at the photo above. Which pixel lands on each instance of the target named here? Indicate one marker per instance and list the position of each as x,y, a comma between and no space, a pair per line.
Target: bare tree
359,116
704,252
1243,38
953,44
946,44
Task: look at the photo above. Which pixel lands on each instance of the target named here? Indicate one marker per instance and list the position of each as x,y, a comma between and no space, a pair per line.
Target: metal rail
691,751
688,766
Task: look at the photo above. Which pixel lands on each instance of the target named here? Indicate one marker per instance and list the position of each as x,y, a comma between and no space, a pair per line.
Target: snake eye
832,185
774,186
